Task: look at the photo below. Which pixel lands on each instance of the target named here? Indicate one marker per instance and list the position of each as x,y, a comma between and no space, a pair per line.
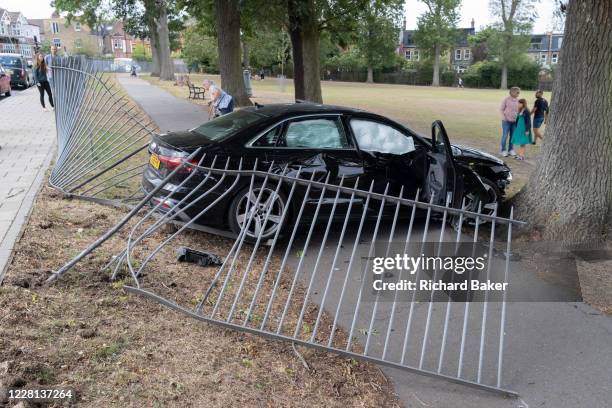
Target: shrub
487,74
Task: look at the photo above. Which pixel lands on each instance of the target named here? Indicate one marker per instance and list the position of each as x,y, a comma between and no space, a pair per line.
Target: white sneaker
52,108
512,153
45,110
504,153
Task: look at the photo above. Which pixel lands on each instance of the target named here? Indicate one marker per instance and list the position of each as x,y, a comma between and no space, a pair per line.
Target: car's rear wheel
8,93
247,212
472,201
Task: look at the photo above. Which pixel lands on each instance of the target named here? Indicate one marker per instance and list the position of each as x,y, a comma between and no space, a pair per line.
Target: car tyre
238,214
472,202
8,93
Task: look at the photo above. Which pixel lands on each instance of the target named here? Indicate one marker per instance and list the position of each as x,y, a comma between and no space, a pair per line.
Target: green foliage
45,47
377,31
437,27
269,48
424,72
524,73
140,53
200,51
510,34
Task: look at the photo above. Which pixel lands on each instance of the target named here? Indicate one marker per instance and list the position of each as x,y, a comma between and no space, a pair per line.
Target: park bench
195,92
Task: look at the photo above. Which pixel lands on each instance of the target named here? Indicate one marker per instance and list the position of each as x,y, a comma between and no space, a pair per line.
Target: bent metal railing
309,280
101,135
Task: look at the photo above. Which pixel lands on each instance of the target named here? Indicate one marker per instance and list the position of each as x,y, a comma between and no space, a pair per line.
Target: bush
487,74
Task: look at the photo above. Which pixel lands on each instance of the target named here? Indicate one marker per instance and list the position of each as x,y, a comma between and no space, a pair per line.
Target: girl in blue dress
522,131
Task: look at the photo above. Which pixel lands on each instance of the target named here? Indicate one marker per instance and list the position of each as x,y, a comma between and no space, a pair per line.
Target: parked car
5,82
20,71
325,139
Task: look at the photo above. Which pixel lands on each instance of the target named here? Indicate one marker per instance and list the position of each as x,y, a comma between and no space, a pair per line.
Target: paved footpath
167,111
27,140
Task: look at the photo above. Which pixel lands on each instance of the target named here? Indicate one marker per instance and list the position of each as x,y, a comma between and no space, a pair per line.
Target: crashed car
352,146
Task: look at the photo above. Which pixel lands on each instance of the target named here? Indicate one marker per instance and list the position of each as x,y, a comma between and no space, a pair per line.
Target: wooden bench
195,92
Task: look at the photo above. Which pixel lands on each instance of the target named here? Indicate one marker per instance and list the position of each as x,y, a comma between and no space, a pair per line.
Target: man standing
508,111
49,63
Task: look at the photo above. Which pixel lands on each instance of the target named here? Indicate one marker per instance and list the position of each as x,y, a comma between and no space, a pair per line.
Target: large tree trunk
569,196
246,63
155,70
295,35
165,58
370,77
311,46
504,77
227,18
436,68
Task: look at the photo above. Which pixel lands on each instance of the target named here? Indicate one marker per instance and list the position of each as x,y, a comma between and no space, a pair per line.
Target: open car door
444,177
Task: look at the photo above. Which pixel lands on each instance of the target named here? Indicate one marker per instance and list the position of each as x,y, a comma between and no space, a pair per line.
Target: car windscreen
226,125
10,61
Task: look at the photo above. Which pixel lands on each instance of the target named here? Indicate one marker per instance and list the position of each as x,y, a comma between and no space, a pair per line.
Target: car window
10,61
377,137
269,139
226,125
315,134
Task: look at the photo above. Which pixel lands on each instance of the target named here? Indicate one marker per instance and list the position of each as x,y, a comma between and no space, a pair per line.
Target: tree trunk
155,70
227,18
436,68
504,76
311,48
295,35
165,58
370,78
569,196
246,63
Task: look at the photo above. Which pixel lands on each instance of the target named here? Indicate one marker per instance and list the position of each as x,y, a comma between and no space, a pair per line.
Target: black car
19,69
324,139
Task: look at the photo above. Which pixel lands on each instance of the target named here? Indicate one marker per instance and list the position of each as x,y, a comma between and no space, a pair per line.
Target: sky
476,9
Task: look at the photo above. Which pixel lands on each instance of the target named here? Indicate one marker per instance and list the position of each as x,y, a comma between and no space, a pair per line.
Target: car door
444,177
320,147
390,155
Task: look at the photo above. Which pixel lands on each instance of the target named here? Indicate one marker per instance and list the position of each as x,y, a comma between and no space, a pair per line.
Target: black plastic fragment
184,254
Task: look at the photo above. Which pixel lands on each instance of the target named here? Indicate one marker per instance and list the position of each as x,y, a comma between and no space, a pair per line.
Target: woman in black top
40,74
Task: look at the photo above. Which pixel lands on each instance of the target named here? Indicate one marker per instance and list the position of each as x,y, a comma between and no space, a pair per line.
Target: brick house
459,56
73,38
545,48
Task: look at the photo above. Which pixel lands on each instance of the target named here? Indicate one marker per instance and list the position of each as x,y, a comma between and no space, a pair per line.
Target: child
522,131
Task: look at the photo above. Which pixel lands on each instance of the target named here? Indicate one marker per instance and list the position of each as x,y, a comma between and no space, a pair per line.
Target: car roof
288,109
11,54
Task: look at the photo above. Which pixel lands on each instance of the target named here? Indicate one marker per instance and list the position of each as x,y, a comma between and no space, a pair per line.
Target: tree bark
569,196
155,70
436,68
165,58
227,18
246,63
295,35
370,78
311,49
504,77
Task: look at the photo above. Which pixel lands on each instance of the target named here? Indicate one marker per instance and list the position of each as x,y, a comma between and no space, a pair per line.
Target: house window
117,43
16,30
554,58
467,54
559,42
457,55
57,43
55,27
412,55
78,43
77,26
543,58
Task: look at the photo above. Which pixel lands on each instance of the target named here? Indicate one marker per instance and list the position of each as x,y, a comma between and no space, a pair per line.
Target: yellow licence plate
154,161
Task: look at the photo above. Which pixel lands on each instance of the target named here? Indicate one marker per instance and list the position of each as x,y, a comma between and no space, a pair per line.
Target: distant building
17,34
545,48
72,38
121,44
459,57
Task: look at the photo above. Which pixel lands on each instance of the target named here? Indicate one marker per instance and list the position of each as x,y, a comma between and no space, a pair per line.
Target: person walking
460,83
210,87
521,135
508,109
540,115
42,81
49,58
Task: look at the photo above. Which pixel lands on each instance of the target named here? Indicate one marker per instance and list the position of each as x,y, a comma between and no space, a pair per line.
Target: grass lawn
471,116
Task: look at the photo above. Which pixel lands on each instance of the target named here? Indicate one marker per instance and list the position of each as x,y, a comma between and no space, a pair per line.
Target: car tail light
172,163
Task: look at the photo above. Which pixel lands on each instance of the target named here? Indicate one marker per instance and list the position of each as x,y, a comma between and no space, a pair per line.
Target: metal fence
101,135
299,269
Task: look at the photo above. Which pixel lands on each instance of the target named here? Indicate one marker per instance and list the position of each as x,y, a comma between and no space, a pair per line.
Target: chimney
404,26
472,22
